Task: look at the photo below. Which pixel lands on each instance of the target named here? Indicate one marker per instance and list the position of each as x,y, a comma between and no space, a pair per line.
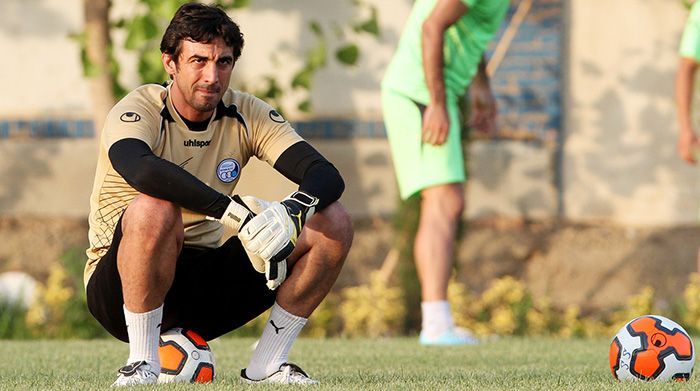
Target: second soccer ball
652,347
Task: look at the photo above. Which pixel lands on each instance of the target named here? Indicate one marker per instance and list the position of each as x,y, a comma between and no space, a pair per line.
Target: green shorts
418,165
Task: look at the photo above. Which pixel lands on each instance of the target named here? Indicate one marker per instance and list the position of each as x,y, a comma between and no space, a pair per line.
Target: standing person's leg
438,173
441,209
315,264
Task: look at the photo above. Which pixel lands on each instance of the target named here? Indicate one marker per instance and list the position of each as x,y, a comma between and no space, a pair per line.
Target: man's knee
335,223
153,215
447,201
331,229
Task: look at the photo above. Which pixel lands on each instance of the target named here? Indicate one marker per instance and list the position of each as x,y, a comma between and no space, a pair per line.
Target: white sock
437,317
144,334
273,348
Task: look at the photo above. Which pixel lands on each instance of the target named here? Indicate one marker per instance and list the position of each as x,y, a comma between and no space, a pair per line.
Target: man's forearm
159,178
433,61
685,78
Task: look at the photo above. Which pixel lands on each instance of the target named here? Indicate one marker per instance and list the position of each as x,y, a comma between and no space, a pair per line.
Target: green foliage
60,307
12,324
375,309
405,223
508,308
78,322
324,322
348,54
91,70
140,29
371,25
232,4
303,78
143,32
689,308
305,106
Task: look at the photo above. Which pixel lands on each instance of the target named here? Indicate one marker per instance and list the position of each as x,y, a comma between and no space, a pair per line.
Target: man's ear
169,63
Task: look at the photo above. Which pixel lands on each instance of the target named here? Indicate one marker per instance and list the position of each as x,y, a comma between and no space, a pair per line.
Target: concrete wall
611,157
619,157
54,178
45,74
47,177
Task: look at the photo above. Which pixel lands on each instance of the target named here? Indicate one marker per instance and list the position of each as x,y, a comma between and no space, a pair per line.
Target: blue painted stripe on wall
81,128
46,128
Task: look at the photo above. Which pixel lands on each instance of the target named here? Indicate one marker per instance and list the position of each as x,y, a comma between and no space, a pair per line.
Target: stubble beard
205,104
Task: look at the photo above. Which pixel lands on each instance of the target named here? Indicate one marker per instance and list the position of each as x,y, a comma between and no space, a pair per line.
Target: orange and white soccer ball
185,357
652,347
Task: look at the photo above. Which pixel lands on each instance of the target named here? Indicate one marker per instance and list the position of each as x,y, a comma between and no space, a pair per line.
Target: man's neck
197,126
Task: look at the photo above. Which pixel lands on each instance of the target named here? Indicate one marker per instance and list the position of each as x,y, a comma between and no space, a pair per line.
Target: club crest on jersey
276,117
130,116
228,170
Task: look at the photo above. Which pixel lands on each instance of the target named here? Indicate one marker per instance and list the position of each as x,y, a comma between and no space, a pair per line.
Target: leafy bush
375,309
60,307
12,325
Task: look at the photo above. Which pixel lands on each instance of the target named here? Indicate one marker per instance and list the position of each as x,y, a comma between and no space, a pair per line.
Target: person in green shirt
689,57
689,52
439,56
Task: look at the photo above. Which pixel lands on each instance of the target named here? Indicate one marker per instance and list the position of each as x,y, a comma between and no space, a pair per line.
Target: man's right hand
687,146
436,124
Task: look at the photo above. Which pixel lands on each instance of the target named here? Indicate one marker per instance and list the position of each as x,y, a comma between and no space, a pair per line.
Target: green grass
342,364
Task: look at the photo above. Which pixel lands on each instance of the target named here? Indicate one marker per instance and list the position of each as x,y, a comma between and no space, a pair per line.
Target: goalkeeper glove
239,212
273,233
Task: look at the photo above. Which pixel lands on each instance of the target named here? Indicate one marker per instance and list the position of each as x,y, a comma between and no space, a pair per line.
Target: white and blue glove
272,233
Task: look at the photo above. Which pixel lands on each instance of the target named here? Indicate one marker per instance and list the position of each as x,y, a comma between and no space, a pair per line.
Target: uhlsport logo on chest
197,143
228,170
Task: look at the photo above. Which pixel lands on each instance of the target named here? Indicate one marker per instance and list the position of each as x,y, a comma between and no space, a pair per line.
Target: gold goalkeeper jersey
241,126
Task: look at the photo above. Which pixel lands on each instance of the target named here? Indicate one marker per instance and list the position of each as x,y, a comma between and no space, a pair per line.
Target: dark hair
201,23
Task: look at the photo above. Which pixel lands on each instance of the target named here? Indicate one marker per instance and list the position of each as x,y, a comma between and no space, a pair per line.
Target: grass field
343,364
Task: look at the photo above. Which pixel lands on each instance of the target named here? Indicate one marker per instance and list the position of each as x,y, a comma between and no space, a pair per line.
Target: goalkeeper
169,160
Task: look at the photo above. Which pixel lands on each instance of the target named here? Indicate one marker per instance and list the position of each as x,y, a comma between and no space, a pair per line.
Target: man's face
200,77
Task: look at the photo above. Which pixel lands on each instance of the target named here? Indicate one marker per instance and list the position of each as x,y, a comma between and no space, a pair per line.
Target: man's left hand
273,233
483,106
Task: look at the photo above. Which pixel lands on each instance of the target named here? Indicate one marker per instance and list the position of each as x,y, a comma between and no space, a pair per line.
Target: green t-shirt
690,43
464,44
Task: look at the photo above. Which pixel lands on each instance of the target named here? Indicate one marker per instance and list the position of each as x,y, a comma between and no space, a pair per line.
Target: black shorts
214,291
